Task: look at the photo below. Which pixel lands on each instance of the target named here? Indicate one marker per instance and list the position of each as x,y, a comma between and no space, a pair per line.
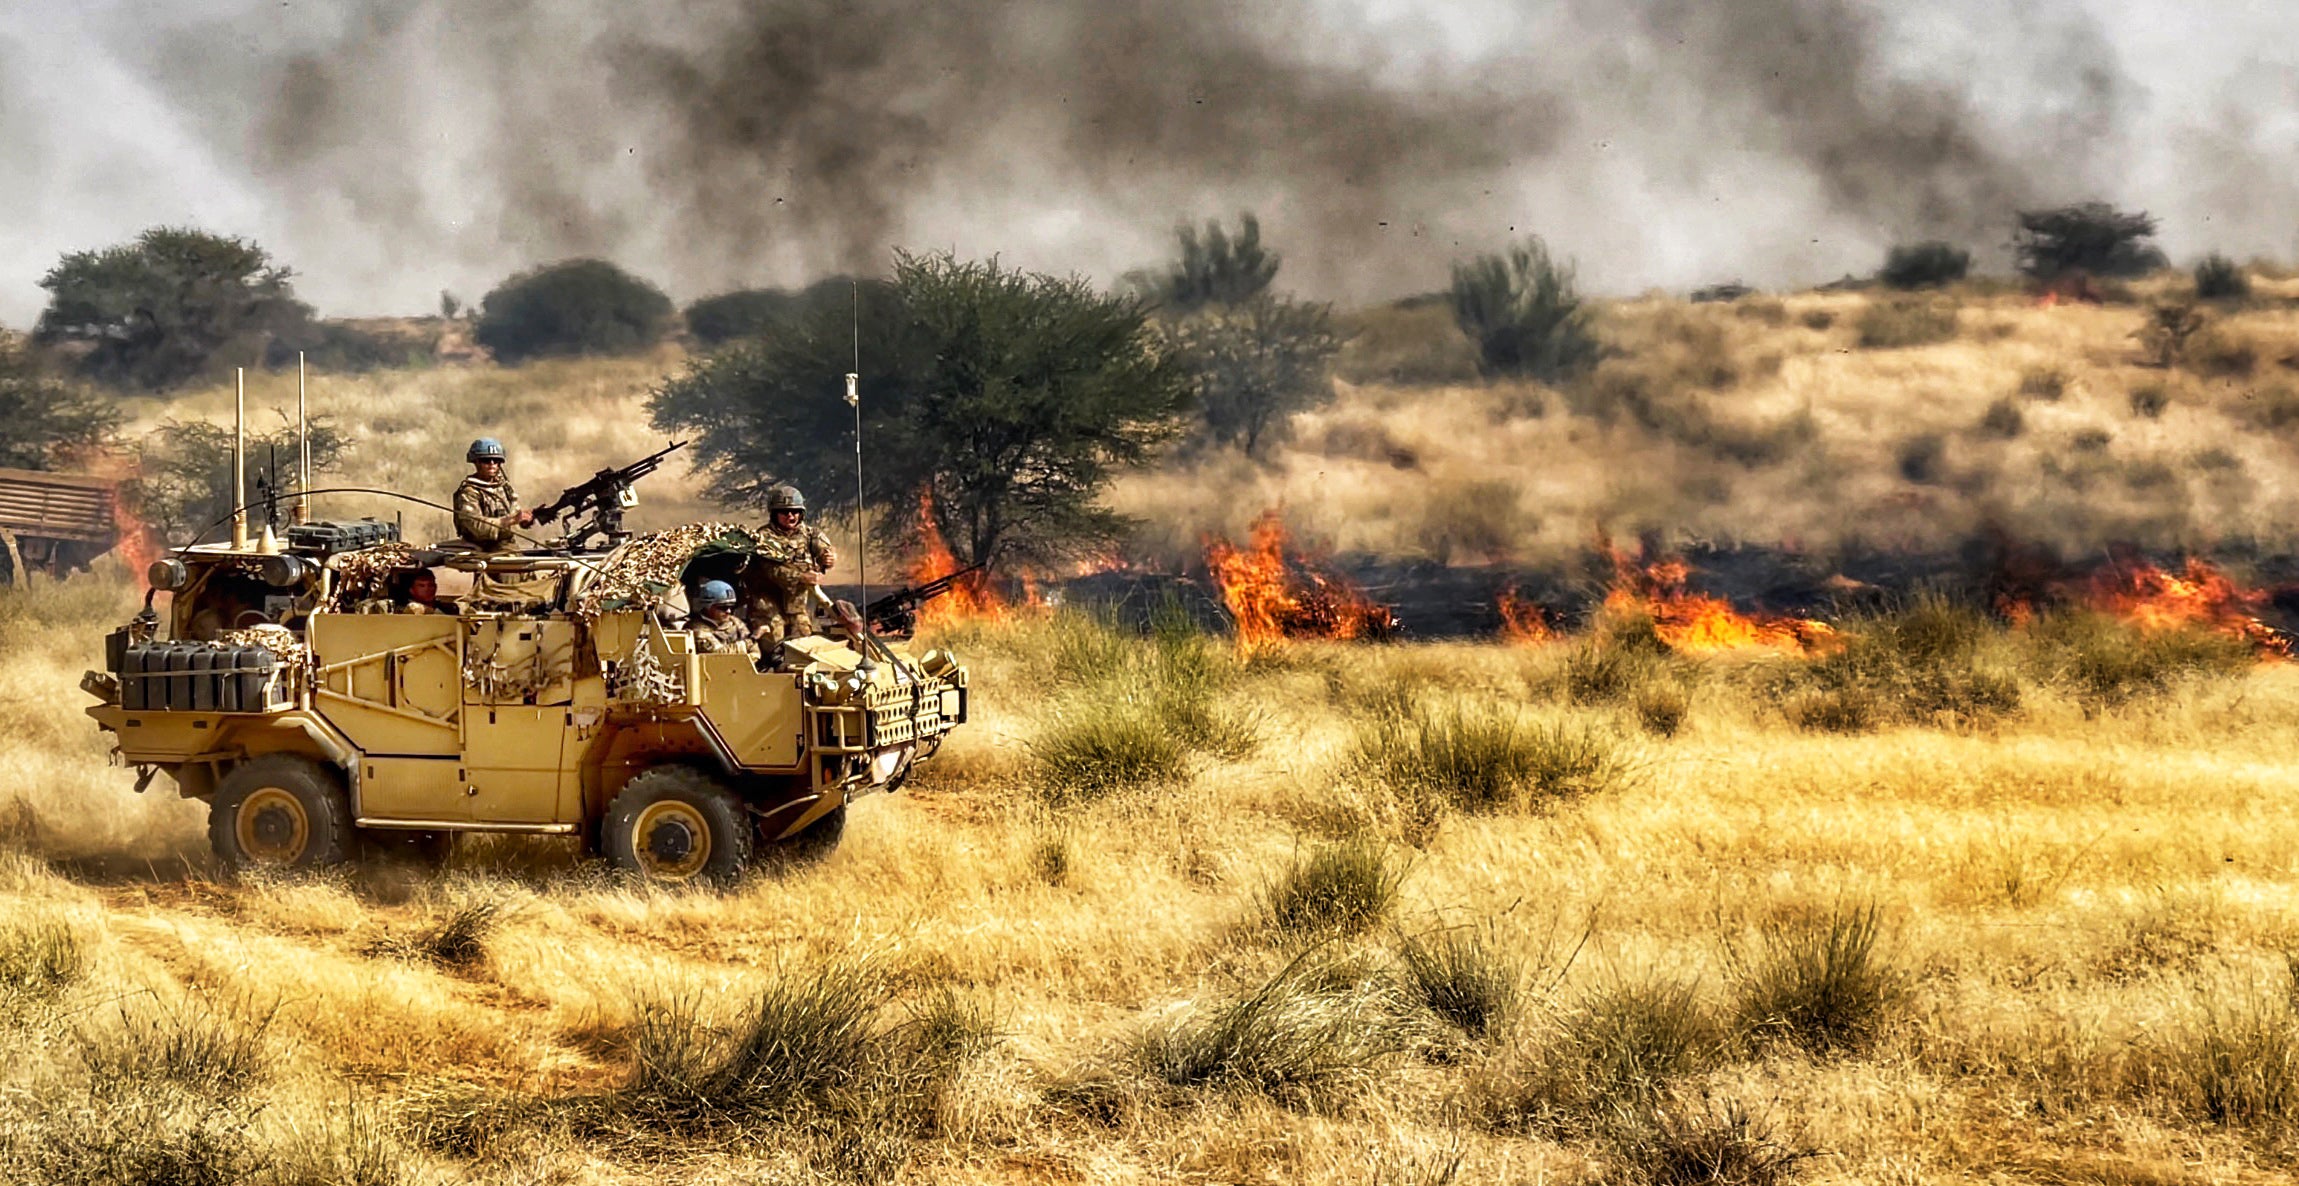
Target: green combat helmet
785,498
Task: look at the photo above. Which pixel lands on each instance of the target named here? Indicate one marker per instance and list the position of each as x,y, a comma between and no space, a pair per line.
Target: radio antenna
302,448
861,509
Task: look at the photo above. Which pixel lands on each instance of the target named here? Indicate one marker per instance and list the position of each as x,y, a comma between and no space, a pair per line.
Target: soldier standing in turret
487,511
792,557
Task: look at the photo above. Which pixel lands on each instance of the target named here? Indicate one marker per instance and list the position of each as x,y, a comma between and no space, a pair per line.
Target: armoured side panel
758,716
521,660
390,682
512,765
413,789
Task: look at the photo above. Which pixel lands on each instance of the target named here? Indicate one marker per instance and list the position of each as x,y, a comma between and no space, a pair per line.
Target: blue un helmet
484,449
714,594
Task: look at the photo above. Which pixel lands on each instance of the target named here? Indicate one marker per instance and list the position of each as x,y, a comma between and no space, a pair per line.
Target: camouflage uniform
776,581
480,507
728,634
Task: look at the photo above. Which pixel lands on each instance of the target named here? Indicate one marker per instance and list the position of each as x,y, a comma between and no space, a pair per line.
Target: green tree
43,418
1255,364
1008,398
2092,238
1929,264
1521,310
581,306
185,480
1215,268
165,309
717,320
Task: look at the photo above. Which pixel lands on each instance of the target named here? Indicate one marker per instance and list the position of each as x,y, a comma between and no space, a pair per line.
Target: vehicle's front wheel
677,823
281,811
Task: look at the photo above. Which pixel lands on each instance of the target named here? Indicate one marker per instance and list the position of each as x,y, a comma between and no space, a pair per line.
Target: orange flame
2197,596
971,598
1696,623
1523,620
1272,596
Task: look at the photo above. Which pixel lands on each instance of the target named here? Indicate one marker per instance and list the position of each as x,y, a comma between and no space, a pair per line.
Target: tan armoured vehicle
318,717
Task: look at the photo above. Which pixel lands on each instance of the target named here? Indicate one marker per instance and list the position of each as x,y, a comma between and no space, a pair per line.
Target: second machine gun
897,612
606,495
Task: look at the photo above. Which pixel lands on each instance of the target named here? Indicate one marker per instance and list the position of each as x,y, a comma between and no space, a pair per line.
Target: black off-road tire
282,811
810,847
678,824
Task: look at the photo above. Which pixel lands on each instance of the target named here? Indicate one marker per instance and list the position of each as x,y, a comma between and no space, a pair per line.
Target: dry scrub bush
1822,985
456,939
1899,324
1306,1037
2046,383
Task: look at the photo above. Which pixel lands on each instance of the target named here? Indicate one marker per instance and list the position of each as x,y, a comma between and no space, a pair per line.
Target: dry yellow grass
2068,895
2090,907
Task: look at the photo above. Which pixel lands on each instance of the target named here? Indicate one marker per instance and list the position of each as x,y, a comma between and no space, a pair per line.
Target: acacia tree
1256,364
43,416
158,312
1008,398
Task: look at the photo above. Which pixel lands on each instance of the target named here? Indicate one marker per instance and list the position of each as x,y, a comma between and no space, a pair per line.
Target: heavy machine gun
897,612
605,496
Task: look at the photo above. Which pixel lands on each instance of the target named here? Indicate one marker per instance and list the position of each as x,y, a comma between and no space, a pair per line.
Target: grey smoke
390,148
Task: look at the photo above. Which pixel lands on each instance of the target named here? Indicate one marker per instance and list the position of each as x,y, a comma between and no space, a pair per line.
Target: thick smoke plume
388,148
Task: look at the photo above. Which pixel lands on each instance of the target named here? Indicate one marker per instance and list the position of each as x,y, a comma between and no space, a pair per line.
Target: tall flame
1697,623
1273,596
2196,596
1524,620
971,598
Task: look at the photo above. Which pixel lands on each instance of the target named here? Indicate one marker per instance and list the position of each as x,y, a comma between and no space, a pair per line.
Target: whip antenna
861,510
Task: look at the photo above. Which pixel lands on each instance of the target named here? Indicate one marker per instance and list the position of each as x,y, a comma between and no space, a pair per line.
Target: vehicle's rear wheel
280,811
816,843
677,823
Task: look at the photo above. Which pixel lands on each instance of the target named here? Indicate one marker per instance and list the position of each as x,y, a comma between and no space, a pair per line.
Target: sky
387,150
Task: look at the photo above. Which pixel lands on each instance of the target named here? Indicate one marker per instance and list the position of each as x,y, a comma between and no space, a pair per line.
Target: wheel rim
671,840
272,827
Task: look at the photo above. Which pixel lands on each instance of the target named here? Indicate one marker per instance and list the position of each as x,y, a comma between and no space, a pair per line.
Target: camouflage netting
365,575
271,636
640,572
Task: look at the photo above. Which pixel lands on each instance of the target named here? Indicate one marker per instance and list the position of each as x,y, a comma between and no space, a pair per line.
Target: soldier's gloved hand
526,518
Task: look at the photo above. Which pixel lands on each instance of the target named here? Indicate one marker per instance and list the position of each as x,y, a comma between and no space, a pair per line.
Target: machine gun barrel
897,612
602,485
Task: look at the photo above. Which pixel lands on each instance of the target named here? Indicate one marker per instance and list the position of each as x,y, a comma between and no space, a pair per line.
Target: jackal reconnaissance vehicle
280,686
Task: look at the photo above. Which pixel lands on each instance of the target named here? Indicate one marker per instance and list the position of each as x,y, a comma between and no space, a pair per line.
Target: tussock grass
1483,759
1464,977
1679,1142
1341,888
2104,661
1625,1044
197,1045
1303,1037
1824,985
1138,708
456,939
39,957
2234,1060
1900,324
1933,662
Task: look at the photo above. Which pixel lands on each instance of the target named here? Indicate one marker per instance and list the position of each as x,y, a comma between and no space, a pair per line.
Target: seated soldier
715,626
422,595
